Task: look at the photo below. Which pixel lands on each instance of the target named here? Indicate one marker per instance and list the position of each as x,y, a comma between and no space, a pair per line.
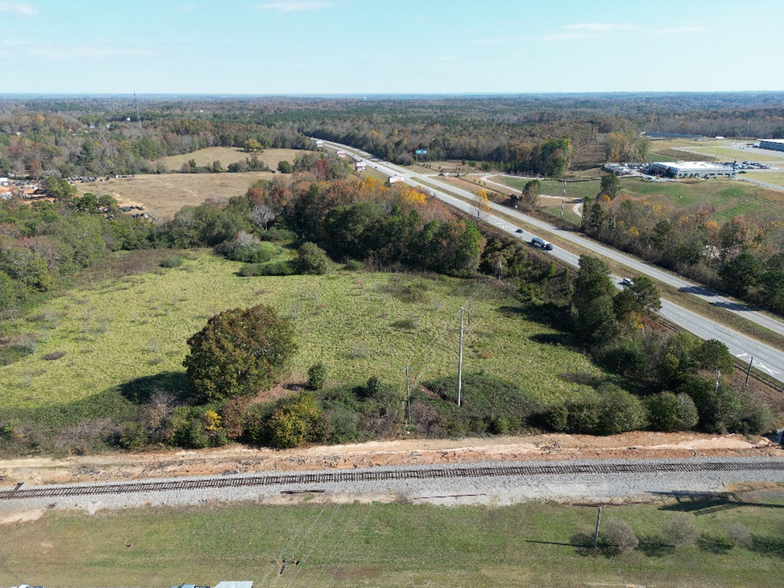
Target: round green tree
238,353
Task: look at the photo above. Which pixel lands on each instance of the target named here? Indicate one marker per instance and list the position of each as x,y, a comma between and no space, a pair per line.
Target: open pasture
227,155
163,195
393,545
728,197
105,334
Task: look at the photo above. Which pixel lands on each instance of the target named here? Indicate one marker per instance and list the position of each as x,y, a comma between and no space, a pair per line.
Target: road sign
421,151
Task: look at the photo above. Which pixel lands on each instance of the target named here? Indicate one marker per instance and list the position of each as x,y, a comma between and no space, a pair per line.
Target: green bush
311,259
273,268
662,411
488,405
556,418
171,261
619,411
372,388
688,417
353,265
277,235
256,253
317,376
342,425
718,407
583,417
754,416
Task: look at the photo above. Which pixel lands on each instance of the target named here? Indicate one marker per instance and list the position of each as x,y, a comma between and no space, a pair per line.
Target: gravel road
494,490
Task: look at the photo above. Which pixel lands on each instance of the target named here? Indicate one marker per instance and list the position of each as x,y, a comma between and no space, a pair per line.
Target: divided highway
767,359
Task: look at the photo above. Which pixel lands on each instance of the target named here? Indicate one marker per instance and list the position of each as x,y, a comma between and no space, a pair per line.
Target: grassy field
116,330
728,197
227,155
163,195
389,545
720,150
769,177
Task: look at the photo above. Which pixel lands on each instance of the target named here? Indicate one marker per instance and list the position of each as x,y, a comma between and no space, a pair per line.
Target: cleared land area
728,198
397,545
162,195
112,331
227,155
686,149
769,177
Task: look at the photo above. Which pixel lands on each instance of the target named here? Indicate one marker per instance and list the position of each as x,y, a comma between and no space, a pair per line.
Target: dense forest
533,134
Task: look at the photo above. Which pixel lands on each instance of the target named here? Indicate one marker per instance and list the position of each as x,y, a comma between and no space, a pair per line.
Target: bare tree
262,215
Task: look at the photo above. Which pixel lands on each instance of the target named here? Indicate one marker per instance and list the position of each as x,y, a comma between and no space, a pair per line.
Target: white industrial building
692,169
775,144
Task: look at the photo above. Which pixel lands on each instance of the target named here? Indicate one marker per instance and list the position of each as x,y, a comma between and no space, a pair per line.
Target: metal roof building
775,144
692,169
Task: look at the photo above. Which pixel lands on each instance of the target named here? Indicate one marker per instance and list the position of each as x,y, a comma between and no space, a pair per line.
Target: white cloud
601,27
679,31
447,58
20,8
293,5
186,8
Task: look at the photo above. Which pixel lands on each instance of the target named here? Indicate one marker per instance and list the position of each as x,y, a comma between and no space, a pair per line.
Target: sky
366,47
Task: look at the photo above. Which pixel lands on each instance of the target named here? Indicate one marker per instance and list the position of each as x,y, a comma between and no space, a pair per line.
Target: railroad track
343,476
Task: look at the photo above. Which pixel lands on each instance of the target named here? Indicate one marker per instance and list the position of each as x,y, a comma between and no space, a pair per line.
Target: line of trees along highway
742,256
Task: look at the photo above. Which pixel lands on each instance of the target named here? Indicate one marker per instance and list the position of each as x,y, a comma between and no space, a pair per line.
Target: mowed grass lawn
728,197
385,545
136,326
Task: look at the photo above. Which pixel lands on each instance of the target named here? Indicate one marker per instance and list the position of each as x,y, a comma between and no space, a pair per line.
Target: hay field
227,155
164,194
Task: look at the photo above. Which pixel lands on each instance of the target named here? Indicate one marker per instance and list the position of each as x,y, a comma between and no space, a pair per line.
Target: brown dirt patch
237,459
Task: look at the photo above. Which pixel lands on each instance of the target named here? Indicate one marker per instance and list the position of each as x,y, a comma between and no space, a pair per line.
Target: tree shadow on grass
654,546
140,390
714,544
772,546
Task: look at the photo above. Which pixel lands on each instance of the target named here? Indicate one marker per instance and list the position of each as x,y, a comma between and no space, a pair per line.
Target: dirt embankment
235,459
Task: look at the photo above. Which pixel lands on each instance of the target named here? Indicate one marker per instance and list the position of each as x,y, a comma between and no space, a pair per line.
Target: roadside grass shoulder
389,545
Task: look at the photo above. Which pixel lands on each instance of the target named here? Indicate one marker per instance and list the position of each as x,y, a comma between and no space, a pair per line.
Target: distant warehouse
692,169
775,144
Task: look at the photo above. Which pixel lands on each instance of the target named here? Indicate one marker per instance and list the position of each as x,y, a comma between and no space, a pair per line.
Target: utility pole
460,359
408,400
718,375
596,534
748,373
563,199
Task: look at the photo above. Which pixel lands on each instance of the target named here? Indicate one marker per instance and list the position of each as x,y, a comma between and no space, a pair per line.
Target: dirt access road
240,459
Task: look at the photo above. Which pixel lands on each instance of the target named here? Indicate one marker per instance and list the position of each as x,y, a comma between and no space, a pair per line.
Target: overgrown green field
390,545
114,331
